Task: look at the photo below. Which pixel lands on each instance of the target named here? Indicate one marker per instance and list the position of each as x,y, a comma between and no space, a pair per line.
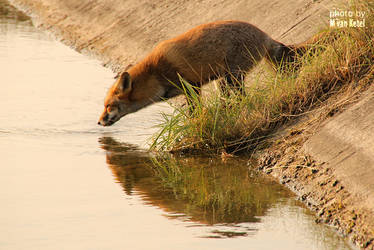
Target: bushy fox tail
284,53
280,53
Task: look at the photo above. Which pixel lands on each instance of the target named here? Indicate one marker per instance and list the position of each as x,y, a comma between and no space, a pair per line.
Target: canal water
67,183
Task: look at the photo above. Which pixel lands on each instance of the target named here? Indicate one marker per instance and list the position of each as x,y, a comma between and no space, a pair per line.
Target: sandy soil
123,32
336,183
329,163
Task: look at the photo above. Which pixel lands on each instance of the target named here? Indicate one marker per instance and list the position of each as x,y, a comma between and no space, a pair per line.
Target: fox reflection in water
203,189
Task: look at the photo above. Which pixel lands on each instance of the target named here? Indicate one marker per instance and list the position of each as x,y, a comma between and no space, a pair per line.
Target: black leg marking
235,82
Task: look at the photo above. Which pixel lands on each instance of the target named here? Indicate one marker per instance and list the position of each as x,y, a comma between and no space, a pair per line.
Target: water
67,183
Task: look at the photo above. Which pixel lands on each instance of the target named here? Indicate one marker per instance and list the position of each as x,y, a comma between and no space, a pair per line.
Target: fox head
117,102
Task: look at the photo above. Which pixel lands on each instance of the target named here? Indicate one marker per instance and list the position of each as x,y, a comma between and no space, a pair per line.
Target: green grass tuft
340,62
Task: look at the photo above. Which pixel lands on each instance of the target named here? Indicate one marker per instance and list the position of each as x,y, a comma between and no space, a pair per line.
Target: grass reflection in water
204,190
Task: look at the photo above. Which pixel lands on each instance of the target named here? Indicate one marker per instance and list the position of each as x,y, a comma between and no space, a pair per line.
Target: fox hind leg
233,81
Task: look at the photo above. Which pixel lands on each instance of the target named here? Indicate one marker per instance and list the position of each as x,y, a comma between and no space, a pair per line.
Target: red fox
226,49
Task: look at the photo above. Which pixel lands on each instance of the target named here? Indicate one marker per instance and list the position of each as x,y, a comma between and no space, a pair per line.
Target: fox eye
109,108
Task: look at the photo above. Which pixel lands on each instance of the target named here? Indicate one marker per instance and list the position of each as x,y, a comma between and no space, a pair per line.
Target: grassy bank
340,63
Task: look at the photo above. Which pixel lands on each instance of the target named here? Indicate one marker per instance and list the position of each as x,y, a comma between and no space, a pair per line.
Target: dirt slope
331,167
347,144
121,32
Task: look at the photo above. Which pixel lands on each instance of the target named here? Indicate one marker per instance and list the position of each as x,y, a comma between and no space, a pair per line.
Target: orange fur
220,49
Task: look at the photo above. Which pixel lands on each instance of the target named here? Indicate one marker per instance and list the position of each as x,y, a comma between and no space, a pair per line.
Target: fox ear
124,83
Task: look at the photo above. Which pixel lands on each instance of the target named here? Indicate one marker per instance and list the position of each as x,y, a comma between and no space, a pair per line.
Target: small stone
314,171
354,217
321,212
323,183
303,197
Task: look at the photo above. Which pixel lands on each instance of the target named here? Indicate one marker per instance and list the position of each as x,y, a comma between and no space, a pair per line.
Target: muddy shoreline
121,33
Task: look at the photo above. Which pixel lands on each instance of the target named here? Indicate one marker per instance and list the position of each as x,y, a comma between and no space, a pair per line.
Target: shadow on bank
200,189
8,12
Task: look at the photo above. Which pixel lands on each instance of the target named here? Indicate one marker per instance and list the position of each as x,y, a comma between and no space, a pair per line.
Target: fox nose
103,119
